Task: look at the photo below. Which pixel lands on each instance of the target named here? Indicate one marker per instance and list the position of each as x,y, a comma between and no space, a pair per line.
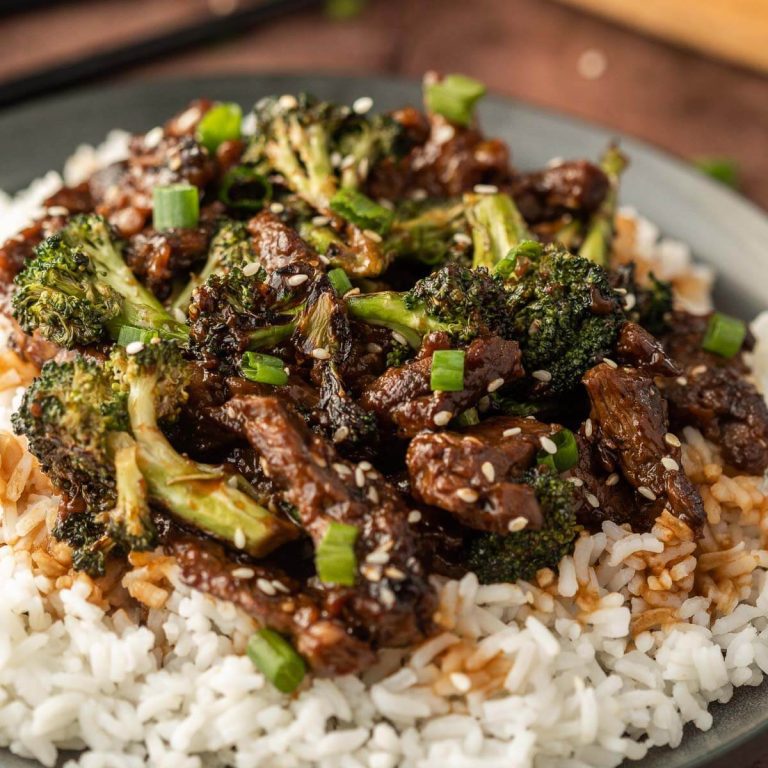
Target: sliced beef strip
638,348
279,245
472,473
629,425
392,602
275,599
401,397
715,396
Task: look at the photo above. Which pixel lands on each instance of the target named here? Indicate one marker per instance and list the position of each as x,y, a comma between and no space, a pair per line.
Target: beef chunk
639,349
629,425
278,245
402,398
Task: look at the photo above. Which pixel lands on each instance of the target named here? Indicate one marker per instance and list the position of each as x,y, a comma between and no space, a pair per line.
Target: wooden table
531,49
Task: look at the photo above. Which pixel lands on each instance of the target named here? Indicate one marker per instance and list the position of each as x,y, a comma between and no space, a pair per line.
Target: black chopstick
68,74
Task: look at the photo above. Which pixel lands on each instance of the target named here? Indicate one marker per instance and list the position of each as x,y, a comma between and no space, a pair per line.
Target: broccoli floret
87,537
78,290
654,303
230,247
497,227
564,314
496,558
463,302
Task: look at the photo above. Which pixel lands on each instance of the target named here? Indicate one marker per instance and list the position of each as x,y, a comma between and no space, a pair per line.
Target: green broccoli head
496,558
88,539
564,314
66,415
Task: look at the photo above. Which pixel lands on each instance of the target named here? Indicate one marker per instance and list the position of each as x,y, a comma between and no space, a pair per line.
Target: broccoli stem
388,309
497,227
267,338
197,493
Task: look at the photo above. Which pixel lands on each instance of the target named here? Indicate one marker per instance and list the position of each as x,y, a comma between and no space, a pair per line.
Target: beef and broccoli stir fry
324,362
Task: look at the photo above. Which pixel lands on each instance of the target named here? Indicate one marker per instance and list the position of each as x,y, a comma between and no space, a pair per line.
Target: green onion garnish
724,335
335,559
454,97
363,212
245,189
468,418
266,369
567,454
175,207
219,124
277,660
339,281
129,334
447,370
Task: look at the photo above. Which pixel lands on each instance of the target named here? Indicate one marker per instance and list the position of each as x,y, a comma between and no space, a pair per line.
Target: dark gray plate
723,229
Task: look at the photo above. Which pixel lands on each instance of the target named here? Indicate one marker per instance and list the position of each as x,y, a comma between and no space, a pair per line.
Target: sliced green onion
339,281
243,188
724,335
335,559
566,456
175,207
363,212
219,124
277,660
447,370
129,334
468,418
266,369
454,97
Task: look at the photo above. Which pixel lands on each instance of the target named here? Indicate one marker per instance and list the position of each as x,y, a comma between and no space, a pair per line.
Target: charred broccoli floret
78,290
230,248
649,303
87,537
496,558
564,314
463,302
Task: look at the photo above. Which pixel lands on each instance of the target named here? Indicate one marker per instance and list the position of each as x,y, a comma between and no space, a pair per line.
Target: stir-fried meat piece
278,245
275,599
639,349
446,161
575,187
402,397
471,474
392,602
629,429
75,199
714,396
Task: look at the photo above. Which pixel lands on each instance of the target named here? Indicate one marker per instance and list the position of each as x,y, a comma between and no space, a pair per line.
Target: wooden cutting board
736,30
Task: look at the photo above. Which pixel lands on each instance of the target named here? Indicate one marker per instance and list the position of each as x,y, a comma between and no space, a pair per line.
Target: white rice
522,676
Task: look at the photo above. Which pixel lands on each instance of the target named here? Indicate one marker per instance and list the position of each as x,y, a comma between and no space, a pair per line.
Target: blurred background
688,75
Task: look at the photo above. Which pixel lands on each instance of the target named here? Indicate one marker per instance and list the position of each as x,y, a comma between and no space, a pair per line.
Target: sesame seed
371,572
542,375
366,466
335,159
371,235
460,681
672,440
630,301
414,516
388,204
179,315
462,239
264,466
251,269
419,194
295,280
280,587
489,471
699,369
323,259
592,500
276,207
321,353
486,189
239,538
377,557
58,210
512,431
394,573
577,481
399,338
548,444
373,495
612,479
495,384
621,291
243,573
517,524
467,495
351,292
266,587
669,463
647,492
441,418
134,347
362,105
342,470
588,428
341,434
232,481
287,101
387,597
359,477
443,133
610,363
320,221
347,161
153,138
